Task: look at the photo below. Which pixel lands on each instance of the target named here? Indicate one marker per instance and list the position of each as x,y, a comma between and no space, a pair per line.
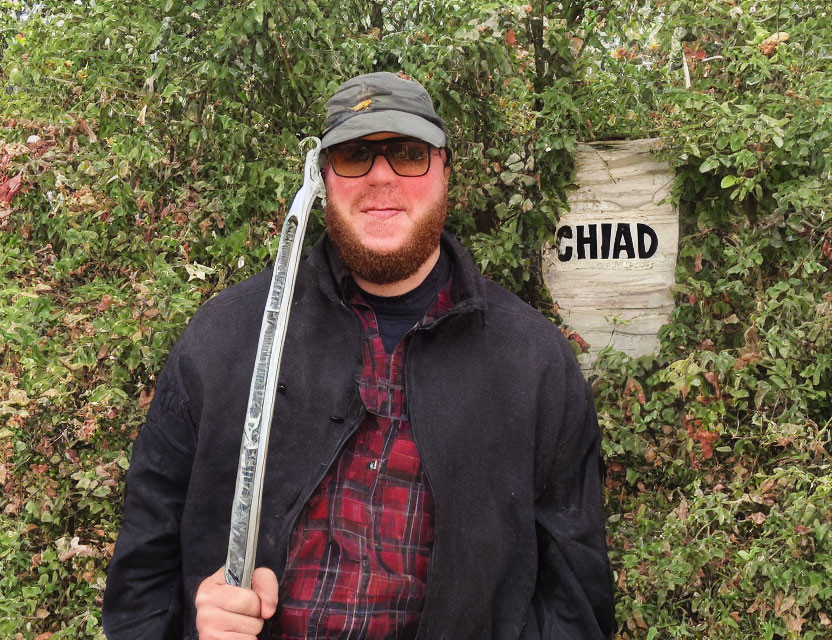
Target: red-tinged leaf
689,422
827,248
511,39
758,518
633,387
575,337
706,440
9,188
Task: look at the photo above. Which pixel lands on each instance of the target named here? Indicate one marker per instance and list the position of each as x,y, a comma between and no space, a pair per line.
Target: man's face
385,225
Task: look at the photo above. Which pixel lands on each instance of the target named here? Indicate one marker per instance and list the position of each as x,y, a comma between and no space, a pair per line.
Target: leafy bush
148,154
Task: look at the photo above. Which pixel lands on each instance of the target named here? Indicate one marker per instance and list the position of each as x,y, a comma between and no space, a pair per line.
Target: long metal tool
248,493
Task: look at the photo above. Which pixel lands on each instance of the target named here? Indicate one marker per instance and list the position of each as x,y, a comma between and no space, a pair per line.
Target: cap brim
401,122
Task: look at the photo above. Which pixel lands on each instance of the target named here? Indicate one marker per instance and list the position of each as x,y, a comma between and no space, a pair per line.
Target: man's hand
225,612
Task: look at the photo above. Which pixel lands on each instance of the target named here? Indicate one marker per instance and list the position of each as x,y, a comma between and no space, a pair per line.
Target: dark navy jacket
505,426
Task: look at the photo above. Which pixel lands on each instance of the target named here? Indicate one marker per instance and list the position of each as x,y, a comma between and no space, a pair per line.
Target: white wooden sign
612,270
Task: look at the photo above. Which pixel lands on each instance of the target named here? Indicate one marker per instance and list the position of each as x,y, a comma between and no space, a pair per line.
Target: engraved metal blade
248,492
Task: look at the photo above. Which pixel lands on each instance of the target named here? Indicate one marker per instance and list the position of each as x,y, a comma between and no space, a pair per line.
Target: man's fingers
226,612
214,592
212,621
264,584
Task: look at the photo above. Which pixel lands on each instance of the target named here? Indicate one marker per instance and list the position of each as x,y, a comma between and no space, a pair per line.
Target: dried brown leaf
769,45
639,619
795,623
106,302
682,511
146,397
713,378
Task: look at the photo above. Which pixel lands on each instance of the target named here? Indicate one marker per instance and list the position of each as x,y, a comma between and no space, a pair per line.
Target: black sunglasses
407,157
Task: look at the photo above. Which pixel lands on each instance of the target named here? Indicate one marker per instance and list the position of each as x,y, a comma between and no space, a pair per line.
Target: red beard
387,268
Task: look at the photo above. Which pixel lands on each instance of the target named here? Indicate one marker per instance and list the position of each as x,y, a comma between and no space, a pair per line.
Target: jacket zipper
422,629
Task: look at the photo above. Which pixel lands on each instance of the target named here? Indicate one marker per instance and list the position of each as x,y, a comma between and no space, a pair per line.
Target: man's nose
381,172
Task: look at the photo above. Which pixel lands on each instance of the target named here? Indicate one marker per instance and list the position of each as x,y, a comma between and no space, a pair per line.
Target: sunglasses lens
409,158
351,160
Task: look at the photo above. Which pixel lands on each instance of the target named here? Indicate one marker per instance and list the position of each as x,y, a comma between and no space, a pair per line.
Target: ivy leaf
710,163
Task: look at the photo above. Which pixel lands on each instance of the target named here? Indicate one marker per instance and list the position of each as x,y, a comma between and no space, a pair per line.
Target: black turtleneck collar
396,315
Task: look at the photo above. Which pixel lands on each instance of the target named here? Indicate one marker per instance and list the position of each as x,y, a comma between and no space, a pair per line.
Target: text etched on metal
245,510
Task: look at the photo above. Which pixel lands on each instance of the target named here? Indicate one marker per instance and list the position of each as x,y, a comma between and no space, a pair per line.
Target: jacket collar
335,279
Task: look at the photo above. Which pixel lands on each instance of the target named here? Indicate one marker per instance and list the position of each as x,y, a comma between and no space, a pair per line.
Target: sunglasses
407,157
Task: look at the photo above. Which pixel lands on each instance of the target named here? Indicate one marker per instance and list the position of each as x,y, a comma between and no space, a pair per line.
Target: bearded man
433,466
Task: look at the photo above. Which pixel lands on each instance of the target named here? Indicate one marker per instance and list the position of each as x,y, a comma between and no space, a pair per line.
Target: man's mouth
381,211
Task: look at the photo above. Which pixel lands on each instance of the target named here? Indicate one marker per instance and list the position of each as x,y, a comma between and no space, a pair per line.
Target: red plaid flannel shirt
358,556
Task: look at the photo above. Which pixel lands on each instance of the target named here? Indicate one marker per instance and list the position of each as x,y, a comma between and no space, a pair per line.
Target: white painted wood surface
616,300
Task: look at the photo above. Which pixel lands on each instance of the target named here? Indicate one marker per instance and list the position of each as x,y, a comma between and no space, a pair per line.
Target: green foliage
720,445
165,156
